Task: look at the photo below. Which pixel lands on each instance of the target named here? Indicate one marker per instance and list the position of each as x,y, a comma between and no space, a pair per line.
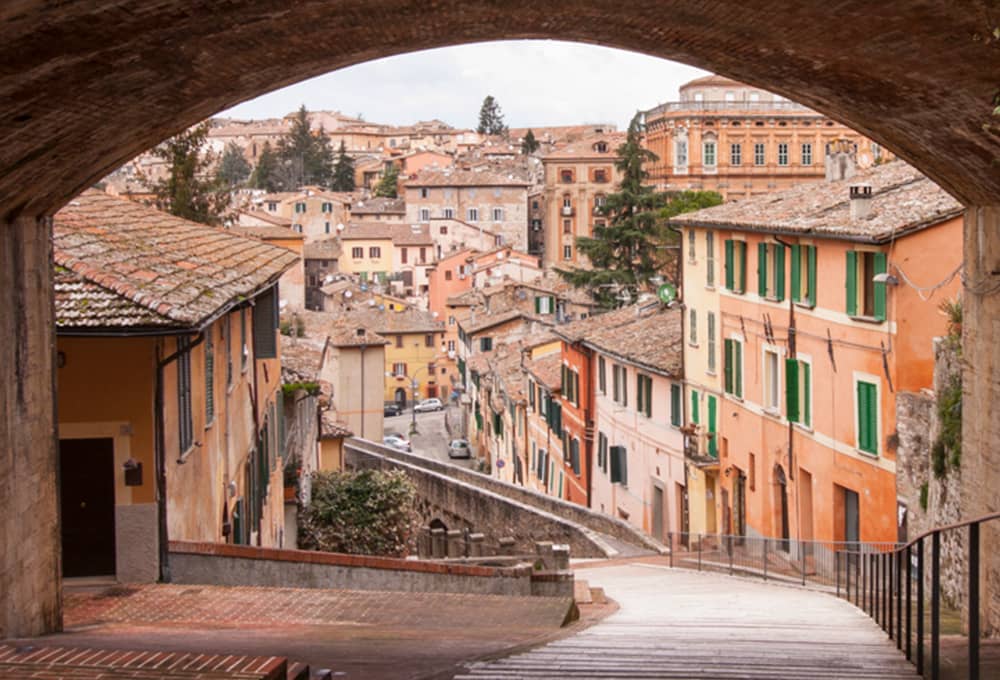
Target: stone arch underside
85,86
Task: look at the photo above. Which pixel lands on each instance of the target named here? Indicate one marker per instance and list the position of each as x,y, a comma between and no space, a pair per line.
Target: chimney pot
861,201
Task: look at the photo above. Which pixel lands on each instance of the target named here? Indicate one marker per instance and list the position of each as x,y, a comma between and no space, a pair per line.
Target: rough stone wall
301,436
30,565
918,427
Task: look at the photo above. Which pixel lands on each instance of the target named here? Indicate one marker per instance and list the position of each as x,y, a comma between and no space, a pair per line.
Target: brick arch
91,83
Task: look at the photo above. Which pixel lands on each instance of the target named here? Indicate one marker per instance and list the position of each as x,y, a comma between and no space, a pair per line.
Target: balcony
567,210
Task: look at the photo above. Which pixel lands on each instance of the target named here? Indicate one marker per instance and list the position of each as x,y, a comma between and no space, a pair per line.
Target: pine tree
529,144
305,158
343,171
387,186
233,168
490,118
624,252
189,190
266,176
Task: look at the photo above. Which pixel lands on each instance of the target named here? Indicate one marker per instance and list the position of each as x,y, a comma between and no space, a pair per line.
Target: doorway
657,513
401,397
87,501
781,501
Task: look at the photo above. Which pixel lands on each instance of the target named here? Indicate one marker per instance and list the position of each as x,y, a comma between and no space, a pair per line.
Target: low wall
238,565
450,478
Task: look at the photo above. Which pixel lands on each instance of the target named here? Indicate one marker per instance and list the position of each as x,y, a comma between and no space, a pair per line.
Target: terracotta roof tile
584,147
547,370
325,249
181,271
903,200
653,339
379,206
486,174
332,428
399,234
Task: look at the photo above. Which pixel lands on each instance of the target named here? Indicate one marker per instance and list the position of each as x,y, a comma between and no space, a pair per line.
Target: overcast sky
536,82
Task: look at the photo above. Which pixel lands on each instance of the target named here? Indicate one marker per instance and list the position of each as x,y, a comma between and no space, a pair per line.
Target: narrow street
431,438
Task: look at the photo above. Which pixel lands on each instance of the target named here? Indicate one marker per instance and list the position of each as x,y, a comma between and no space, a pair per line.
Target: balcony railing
738,107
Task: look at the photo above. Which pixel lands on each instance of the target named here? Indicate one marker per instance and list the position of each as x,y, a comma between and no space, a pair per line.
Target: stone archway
85,85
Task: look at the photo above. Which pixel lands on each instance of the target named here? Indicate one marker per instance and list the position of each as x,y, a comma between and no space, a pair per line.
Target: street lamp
413,386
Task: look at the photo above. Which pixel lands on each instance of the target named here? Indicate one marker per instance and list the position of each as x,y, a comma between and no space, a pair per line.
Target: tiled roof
332,428
584,147
903,201
652,340
399,234
343,333
485,321
482,175
378,206
581,330
268,218
547,370
300,358
389,322
712,80
267,233
82,303
179,271
325,249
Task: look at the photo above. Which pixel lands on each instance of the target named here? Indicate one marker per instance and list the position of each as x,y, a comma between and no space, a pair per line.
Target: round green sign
667,293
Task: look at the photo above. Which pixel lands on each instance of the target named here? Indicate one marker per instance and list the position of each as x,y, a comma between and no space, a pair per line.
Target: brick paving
372,635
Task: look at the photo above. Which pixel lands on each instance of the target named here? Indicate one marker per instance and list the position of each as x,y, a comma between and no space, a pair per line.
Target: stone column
981,388
30,551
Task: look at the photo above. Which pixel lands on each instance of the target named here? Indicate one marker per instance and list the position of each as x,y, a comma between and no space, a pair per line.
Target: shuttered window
804,275
798,391
209,377
734,368
867,417
544,304
694,406
710,341
675,405
265,324
602,452
736,257
865,297
619,465
185,420
771,271
713,444
574,456
602,378
644,395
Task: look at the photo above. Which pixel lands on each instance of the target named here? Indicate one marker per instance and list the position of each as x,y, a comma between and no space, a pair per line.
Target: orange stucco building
805,313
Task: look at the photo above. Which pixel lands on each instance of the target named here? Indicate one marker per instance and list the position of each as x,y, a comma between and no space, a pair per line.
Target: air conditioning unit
461,277
567,210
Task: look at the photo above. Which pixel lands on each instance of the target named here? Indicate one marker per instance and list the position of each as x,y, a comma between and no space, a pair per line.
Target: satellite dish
371,303
364,287
667,293
348,294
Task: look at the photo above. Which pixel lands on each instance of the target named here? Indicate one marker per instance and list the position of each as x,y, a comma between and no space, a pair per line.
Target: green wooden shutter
729,264
779,267
867,417
624,387
743,266
649,397
738,368
806,395
675,405
538,305
638,392
852,283
694,406
879,267
762,269
812,275
796,273
792,389
713,444
728,367
619,465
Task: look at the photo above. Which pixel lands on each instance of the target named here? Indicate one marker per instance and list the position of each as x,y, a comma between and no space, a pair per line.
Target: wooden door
87,497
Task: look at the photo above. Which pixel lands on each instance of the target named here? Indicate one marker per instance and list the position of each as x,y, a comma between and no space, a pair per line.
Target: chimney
841,160
861,201
361,332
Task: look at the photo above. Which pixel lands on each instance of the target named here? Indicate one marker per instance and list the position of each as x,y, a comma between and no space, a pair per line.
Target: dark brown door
87,494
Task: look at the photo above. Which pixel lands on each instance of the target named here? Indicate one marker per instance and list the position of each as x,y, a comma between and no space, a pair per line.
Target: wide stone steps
682,624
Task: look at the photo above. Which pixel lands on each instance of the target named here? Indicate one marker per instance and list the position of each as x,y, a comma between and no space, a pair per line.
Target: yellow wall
351,265
417,356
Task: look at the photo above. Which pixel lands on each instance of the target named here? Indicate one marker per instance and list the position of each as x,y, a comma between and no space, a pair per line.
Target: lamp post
413,387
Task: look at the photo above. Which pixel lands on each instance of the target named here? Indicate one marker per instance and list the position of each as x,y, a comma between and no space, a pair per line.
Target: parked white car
431,404
459,448
397,442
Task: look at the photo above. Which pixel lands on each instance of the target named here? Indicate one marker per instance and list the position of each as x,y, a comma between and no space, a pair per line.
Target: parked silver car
431,404
459,448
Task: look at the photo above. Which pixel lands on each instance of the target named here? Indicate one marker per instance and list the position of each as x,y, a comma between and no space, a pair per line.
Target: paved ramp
676,623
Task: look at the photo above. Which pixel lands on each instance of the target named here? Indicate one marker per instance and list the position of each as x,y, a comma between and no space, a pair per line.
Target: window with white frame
448,213
807,154
710,341
783,153
399,368
736,154
708,153
498,214
758,154
772,381
710,259
357,252
691,244
619,385
567,252
693,325
473,214
425,214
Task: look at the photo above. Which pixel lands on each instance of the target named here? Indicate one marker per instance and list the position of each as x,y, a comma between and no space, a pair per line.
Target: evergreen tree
624,253
266,176
343,171
233,168
490,118
305,158
529,144
387,186
189,190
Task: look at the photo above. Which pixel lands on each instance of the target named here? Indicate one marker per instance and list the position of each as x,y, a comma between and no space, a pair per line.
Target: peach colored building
313,212
578,176
742,141
803,319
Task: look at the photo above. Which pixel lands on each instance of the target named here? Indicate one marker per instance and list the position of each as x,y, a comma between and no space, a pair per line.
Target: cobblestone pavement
370,635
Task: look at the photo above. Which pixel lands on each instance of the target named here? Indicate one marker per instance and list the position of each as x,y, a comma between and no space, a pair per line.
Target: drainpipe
683,409
159,455
589,443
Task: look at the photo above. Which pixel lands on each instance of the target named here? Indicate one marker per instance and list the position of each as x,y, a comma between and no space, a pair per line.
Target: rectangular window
771,271
798,391
423,255
736,154
807,154
574,455
244,350
710,259
644,395
424,192
326,227
675,404
429,340
691,244
708,153
566,176
357,253
209,377
693,327
567,252
498,214
374,252
473,214
399,368
865,297
712,435
693,416
567,226
544,304
399,341
600,176
772,381
681,153
602,452
265,324
425,215
867,416
451,345
736,266
710,342
602,379
758,154
403,255
783,153
300,207
619,465
734,368
485,344
620,387
227,342
327,208
448,213
185,419
804,275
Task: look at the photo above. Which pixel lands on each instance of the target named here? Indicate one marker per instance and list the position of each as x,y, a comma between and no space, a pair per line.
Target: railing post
974,601
899,599
802,561
729,547
765,558
700,539
909,605
920,607
935,605
670,544
890,593
836,568
876,593
865,577
886,623
857,576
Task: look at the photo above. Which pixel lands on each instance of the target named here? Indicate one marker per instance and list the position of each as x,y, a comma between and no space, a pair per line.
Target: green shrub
370,512
949,412
924,491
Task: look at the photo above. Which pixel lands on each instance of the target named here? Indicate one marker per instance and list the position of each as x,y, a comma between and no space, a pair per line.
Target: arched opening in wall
437,523
781,524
